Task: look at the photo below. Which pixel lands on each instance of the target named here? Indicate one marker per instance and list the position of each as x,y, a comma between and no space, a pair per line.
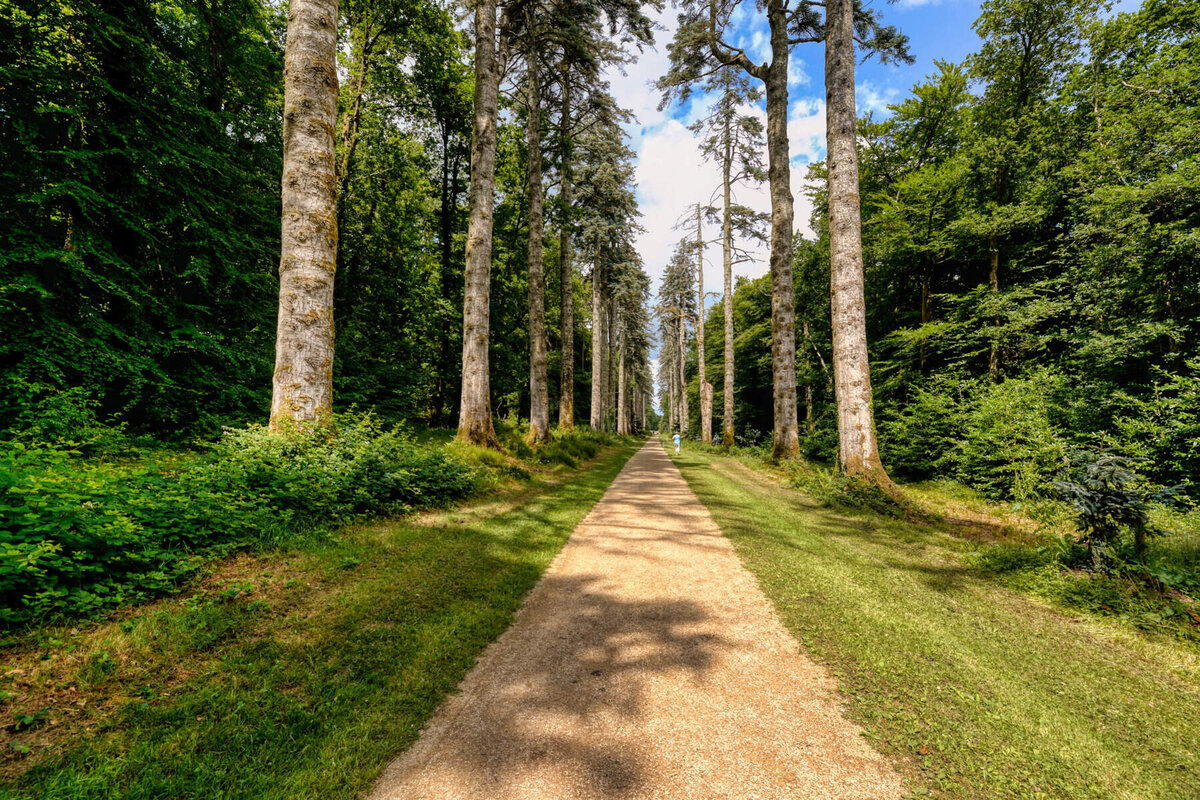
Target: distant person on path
677,444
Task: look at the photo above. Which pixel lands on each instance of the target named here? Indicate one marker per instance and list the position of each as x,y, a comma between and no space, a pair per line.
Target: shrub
40,413
79,537
921,438
1010,448
349,468
1160,432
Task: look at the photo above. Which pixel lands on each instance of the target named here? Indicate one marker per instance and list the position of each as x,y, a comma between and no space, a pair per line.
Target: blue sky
671,175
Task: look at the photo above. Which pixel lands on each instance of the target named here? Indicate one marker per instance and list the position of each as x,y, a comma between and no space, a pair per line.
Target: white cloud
671,174
875,100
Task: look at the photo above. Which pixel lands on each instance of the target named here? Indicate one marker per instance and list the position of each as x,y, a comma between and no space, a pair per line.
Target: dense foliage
89,534
139,173
1029,223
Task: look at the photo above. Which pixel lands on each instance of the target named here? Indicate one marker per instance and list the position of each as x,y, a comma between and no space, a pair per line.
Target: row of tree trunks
623,420
599,368
681,353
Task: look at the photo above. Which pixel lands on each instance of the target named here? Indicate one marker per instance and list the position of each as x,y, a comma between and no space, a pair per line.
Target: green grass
975,690
296,674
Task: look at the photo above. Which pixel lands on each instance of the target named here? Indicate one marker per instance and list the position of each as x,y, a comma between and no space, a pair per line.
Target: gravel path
646,664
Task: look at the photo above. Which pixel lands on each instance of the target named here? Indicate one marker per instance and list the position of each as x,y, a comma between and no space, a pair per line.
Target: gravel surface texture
645,664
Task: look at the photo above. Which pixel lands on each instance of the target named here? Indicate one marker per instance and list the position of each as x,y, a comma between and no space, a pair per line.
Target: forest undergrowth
297,665
1036,545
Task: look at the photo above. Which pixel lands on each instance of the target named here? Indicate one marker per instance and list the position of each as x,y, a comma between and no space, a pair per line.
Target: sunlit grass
292,674
976,690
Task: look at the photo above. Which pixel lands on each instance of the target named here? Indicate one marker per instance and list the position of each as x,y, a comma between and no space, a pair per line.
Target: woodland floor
296,673
740,641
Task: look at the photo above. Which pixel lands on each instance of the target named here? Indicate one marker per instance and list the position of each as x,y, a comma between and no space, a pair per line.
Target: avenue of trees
454,219
1028,258
1003,271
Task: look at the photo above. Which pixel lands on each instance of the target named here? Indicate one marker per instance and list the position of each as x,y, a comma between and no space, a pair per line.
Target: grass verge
975,690
286,675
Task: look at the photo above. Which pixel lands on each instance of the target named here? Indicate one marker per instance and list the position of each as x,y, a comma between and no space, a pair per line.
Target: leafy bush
1010,448
921,438
40,413
349,468
1160,432
80,536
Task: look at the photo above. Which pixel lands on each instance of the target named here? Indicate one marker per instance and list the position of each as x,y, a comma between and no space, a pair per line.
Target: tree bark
684,412
622,390
303,380
539,389
727,301
994,286
705,386
566,397
610,380
859,450
599,362
475,411
669,401
783,292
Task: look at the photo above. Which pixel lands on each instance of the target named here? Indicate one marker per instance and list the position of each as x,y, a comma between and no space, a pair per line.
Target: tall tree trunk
684,412
859,451
566,396
539,389
596,415
303,382
783,291
994,286
475,412
669,401
727,301
443,403
705,386
610,379
622,390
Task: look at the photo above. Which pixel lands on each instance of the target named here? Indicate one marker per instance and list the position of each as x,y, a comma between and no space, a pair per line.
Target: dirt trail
646,664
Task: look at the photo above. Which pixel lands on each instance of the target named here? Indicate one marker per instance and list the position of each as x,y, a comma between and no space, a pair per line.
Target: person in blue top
677,444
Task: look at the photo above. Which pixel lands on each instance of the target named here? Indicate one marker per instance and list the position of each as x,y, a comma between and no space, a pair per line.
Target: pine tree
734,141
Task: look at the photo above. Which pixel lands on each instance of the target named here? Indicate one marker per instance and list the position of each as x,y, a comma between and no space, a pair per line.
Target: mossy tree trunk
475,411
303,380
539,389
